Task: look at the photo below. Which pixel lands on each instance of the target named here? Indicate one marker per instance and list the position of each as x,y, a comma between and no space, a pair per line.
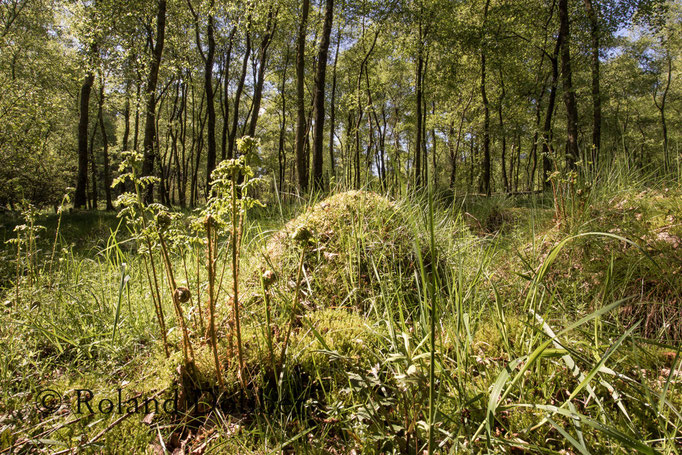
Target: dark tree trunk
105,149
93,169
661,109
281,152
332,106
232,134
301,159
418,114
320,79
80,198
505,181
136,131
260,78
484,185
547,127
592,7
208,60
210,106
225,100
150,118
126,120
572,152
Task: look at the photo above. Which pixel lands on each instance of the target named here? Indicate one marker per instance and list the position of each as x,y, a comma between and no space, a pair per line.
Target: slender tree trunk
136,131
210,106
572,152
260,78
320,79
126,120
301,160
419,96
505,181
454,152
225,101
150,120
661,109
281,152
232,134
80,198
434,156
547,127
105,149
332,106
592,7
93,169
484,185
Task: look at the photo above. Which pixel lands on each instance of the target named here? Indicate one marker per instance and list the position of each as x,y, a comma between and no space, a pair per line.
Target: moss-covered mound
359,242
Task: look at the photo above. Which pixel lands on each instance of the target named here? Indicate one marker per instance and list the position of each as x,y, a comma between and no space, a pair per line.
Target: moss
347,339
355,239
489,340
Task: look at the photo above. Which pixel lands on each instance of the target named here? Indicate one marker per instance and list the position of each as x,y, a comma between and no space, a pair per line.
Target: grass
475,326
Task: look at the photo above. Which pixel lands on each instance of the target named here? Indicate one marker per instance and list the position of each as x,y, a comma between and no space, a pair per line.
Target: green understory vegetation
556,328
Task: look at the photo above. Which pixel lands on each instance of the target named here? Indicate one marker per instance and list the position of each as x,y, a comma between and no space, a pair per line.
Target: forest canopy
482,96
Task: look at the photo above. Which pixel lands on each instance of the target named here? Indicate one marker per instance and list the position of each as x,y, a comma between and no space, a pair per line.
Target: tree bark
484,185
260,78
301,161
506,182
332,106
105,149
93,169
210,106
547,127
150,119
225,99
572,152
592,7
80,198
232,134
419,95
661,109
320,79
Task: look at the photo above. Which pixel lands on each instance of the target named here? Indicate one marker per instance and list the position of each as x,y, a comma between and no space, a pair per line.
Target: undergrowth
553,332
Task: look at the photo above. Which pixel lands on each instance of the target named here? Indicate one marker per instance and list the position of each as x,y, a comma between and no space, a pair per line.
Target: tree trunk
210,107
105,149
484,185
150,119
592,7
80,198
300,99
260,78
136,130
93,169
225,100
505,181
572,152
232,134
418,114
332,106
547,127
661,109
126,120
281,152
320,79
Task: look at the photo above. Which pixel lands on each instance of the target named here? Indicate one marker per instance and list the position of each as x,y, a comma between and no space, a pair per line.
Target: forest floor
556,330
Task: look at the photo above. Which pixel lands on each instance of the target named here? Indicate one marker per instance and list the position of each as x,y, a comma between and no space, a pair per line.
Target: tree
572,153
320,76
150,117
301,158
